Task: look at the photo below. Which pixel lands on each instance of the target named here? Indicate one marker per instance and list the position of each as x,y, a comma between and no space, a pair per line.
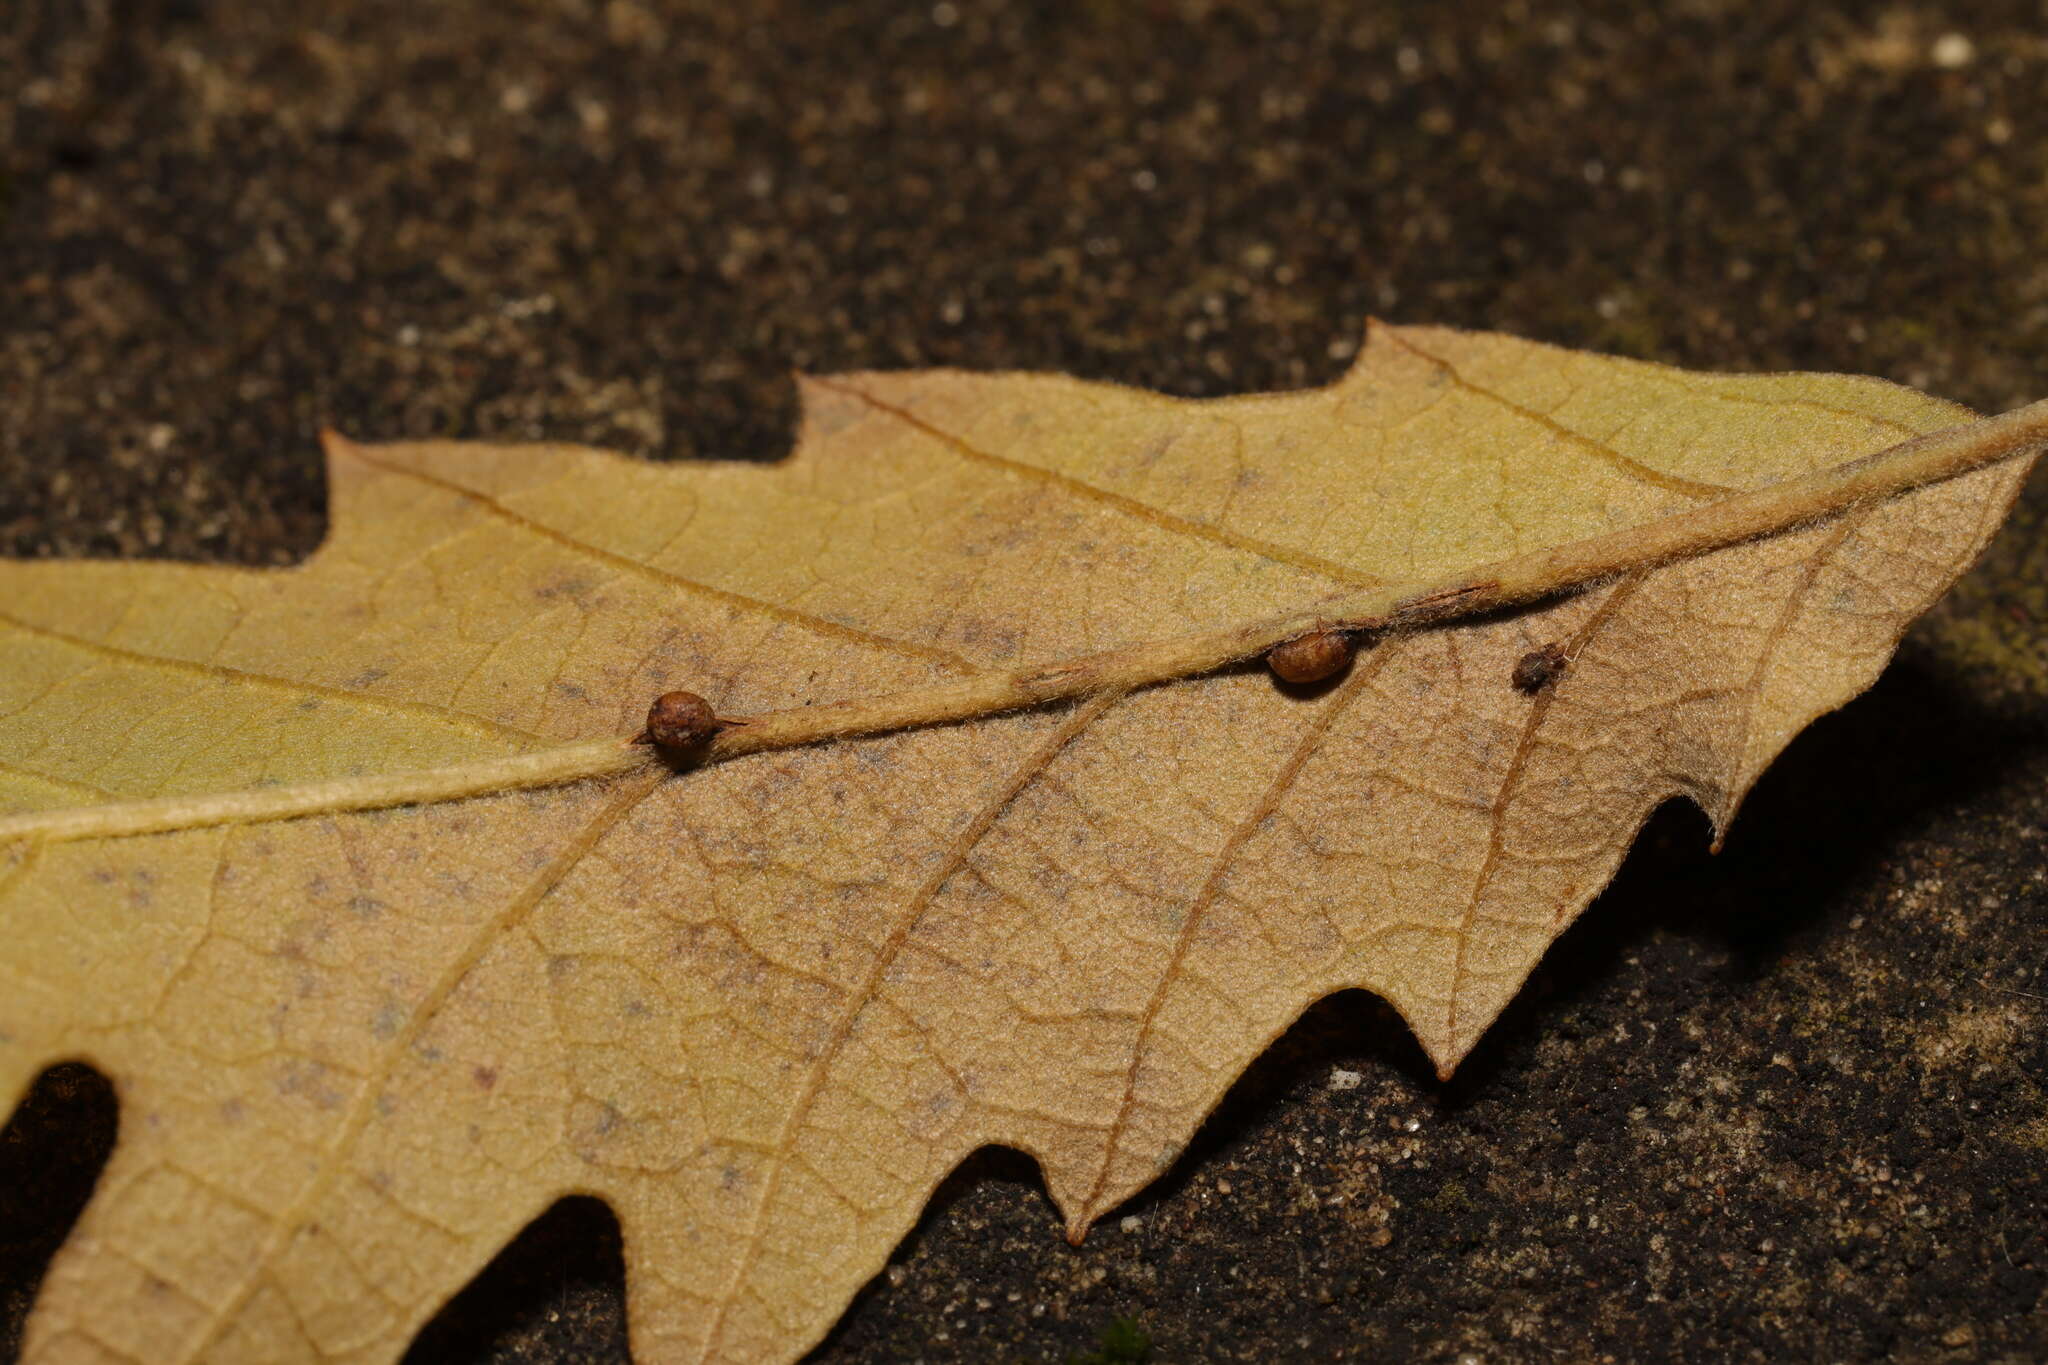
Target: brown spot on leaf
1312,657
1539,668
681,721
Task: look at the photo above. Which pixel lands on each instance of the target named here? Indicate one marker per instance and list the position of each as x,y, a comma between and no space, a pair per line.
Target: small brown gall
680,720
1539,668
1311,657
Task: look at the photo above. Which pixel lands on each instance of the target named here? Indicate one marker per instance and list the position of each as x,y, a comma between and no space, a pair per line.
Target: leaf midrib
1801,501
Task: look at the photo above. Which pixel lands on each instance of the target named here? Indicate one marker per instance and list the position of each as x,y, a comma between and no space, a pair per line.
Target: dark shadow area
989,1165
556,1292
983,1169
1306,691
51,1155
1345,1028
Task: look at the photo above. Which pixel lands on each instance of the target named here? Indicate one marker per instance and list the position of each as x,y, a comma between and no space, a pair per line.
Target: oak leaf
352,881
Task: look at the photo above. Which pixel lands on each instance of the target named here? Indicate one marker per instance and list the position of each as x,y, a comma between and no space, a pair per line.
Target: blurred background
226,223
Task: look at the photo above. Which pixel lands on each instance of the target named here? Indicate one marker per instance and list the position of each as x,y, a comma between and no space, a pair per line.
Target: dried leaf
349,879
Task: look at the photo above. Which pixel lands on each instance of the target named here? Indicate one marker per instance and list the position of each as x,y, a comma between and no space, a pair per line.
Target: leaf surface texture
764,1005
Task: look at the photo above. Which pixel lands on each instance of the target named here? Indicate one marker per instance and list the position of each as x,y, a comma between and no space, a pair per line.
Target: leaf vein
1511,781
1034,764
1129,506
1635,469
626,564
224,673
363,1107
1319,727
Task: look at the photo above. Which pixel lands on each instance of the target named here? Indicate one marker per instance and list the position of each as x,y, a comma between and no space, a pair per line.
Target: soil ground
1784,1103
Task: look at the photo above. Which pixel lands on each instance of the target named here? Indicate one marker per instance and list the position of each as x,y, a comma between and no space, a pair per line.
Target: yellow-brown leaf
347,877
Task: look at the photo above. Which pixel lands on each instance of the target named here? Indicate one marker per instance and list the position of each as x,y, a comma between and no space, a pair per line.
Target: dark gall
680,720
1311,657
1539,668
